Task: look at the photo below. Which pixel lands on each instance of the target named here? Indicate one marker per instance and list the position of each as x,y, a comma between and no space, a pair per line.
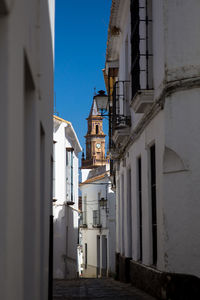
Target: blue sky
80,48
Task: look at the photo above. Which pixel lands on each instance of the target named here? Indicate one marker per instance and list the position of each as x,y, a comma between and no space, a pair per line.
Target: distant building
26,105
152,77
95,140
97,224
65,195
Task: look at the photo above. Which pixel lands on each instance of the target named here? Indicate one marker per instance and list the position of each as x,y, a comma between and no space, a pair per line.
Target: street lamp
102,102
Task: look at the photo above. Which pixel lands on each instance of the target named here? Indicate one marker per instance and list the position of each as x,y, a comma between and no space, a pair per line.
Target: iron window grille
141,45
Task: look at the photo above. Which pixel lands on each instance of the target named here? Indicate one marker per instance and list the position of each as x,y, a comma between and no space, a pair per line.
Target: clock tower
95,140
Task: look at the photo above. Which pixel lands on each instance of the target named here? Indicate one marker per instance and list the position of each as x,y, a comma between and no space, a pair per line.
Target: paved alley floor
96,289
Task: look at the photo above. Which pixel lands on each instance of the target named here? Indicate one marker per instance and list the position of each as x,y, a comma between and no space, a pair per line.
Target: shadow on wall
65,242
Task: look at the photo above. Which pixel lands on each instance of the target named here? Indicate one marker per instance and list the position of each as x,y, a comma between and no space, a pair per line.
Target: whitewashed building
97,224
152,77
65,195
26,105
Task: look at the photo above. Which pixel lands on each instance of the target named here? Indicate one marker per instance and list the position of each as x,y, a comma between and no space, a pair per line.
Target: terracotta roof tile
99,177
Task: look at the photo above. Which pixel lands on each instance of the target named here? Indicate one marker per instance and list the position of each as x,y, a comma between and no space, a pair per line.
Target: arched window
97,129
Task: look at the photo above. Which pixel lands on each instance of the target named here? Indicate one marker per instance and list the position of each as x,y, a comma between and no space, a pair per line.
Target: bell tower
95,140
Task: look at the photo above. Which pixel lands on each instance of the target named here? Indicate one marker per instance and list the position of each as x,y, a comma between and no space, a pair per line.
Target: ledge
120,135
142,100
97,226
70,202
164,285
83,226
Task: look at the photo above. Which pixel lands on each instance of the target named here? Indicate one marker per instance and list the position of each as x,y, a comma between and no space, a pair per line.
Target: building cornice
94,135
113,31
61,120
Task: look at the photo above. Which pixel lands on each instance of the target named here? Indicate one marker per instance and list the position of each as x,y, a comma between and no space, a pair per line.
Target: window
85,210
97,129
99,196
72,176
88,150
129,213
54,169
122,215
69,174
86,256
96,220
139,170
135,46
153,202
81,219
141,45
67,157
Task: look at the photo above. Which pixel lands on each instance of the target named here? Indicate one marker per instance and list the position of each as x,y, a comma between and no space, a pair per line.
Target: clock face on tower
98,145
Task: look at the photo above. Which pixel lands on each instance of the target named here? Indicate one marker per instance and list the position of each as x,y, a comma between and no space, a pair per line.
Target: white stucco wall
175,132
107,219
65,216
52,20
26,133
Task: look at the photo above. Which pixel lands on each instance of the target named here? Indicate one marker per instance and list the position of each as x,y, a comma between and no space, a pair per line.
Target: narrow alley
91,288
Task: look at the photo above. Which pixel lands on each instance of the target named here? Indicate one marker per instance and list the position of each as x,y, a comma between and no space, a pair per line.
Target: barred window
141,45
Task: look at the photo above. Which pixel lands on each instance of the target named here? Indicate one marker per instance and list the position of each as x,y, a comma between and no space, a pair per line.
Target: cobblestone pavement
96,288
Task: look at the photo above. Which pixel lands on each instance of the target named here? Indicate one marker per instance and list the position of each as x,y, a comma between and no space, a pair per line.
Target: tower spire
94,109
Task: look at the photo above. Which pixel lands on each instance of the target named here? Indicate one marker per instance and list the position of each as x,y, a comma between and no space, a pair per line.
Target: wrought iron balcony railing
120,106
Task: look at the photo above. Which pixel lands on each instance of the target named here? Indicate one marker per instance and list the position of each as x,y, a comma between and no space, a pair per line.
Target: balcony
142,100
121,119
